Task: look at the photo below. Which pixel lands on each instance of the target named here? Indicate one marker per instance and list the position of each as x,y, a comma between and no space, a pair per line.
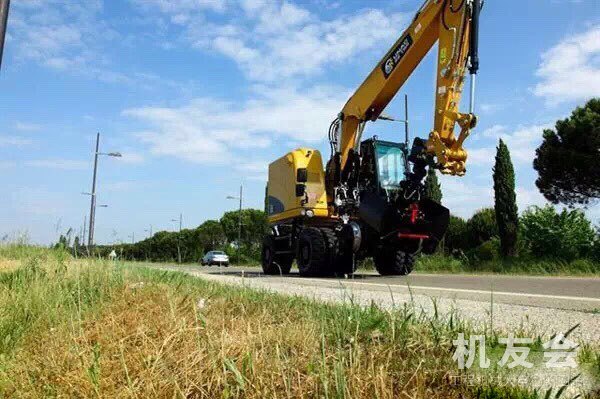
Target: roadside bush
487,251
456,238
596,248
482,227
566,235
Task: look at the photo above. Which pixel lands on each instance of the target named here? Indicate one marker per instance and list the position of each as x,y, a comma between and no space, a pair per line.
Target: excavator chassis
325,239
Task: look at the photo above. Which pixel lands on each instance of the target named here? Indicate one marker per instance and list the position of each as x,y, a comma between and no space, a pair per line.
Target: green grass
524,266
109,329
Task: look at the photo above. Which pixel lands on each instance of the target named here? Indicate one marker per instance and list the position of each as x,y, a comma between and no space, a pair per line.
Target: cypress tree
505,201
433,189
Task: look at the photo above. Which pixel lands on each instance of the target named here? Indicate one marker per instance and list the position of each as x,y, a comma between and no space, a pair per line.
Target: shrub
482,227
566,235
456,236
596,248
487,251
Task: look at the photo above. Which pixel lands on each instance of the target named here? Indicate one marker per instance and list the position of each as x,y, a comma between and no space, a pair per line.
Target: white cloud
57,34
286,41
179,8
494,131
522,143
490,108
463,196
27,127
570,71
14,141
64,164
211,131
272,40
131,157
73,37
255,170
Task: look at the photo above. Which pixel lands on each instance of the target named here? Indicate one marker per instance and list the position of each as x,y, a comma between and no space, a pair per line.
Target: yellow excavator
369,200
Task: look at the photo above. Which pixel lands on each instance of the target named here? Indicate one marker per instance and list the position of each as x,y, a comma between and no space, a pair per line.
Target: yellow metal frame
437,20
282,202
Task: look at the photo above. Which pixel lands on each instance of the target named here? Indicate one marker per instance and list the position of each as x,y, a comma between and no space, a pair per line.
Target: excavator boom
454,25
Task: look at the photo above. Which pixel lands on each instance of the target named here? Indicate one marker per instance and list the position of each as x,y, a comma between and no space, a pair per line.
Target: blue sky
200,95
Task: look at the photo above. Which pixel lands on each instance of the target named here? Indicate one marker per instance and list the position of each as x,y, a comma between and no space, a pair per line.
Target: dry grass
153,342
155,334
7,265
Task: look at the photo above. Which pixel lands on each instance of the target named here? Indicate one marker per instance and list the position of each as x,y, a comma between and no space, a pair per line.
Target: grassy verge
526,266
97,329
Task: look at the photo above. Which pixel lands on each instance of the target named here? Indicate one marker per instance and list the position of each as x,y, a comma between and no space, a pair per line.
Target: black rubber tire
342,261
313,256
394,262
272,263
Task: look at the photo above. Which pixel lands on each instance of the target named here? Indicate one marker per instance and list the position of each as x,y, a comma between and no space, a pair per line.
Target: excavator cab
384,165
393,207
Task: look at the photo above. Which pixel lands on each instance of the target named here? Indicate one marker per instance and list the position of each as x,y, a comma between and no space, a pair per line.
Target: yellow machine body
283,203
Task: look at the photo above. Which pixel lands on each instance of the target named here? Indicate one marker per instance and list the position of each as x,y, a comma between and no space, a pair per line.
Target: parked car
215,258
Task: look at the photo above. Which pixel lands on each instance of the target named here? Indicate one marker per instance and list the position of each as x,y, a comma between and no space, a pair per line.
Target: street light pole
84,230
4,6
93,193
179,237
240,224
93,196
239,220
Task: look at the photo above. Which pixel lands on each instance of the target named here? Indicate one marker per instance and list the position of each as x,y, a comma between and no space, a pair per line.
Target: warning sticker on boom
393,59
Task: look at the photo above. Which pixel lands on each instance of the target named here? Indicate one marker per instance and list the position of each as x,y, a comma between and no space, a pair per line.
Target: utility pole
4,6
93,193
93,196
179,237
240,225
84,230
149,231
239,243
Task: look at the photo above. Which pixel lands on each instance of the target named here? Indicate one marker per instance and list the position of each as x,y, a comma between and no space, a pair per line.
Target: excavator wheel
393,262
313,255
273,263
341,256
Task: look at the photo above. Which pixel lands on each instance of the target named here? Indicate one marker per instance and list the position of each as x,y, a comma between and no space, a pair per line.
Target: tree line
190,245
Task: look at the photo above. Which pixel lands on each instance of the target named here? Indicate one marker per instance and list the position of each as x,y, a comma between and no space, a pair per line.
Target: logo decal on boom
393,59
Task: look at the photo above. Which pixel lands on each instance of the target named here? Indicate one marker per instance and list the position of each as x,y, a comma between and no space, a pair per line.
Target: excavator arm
454,24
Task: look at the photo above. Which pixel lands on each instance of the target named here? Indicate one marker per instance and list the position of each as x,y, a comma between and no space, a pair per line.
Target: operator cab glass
390,164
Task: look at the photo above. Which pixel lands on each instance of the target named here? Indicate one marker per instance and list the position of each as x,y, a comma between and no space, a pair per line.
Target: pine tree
505,201
433,189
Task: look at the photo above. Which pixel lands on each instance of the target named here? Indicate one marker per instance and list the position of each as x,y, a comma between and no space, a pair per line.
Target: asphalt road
571,293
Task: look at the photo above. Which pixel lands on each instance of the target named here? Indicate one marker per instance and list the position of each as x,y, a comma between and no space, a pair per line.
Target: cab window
390,165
